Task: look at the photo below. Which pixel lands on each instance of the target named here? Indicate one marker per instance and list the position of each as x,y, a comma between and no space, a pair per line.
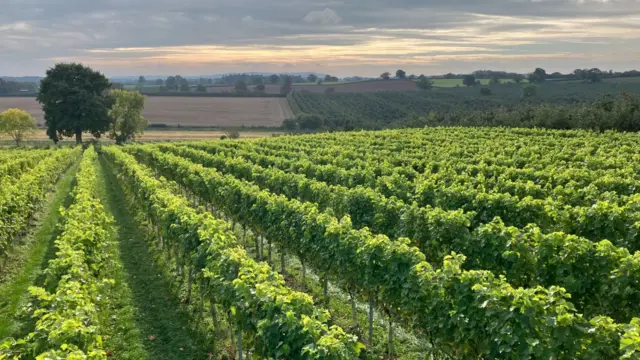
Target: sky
342,38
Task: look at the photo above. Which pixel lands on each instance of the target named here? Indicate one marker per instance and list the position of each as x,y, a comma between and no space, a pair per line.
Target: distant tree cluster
329,78
15,87
540,75
256,79
400,74
589,75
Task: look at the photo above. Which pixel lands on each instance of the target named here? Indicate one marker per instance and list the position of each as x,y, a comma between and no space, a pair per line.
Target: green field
458,82
398,109
323,83
146,87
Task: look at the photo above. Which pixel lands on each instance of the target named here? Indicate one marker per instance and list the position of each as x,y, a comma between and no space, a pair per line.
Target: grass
153,87
165,328
30,257
122,338
323,83
406,345
40,138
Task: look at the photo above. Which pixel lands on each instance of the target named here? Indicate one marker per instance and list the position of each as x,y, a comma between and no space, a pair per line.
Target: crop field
376,110
439,243
191,111
369,86
458,82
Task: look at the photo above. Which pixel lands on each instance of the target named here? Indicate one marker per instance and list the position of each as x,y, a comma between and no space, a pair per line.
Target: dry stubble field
192,111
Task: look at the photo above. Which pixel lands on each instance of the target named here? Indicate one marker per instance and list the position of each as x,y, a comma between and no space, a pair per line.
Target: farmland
458,82
465,243
191,111
379,110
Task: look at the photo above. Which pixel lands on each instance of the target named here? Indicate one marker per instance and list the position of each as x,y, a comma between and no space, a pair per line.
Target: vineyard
555,105
438,243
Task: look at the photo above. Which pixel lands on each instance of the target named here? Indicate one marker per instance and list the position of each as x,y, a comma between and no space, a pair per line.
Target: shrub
485,91
529,90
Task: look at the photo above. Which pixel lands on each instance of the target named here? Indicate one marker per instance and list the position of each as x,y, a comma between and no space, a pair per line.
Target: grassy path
161,323
30,256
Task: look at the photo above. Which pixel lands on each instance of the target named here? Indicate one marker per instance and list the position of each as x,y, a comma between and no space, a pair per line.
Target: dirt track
192,111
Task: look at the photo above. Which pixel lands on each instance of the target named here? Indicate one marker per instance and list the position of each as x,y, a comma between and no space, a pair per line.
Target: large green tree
287,86
538,76
468,80
75,100
126,115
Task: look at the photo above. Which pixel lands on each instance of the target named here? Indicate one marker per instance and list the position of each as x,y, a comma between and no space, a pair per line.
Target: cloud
355,37
323,17
248,20
16,27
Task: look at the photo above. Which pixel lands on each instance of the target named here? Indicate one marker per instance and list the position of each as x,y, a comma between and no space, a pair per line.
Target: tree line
178,83
15,87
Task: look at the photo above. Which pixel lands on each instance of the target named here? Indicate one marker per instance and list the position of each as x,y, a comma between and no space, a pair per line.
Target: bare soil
191,111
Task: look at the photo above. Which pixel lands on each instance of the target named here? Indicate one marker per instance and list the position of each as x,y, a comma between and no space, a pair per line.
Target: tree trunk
354,310
325,290
239,345
258,248
269,252
244,234
283,268
371,321
231,335
304,276
390,336
78,137
214,316
189,284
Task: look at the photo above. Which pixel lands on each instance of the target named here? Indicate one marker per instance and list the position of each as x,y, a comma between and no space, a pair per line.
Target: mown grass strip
162,326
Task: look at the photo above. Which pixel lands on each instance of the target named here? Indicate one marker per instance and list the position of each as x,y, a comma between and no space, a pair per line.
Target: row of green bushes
607,113
620,113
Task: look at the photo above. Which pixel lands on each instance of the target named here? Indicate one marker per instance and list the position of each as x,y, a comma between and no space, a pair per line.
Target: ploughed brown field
192,111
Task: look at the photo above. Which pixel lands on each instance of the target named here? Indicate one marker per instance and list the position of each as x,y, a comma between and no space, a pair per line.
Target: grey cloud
35,31
323,17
